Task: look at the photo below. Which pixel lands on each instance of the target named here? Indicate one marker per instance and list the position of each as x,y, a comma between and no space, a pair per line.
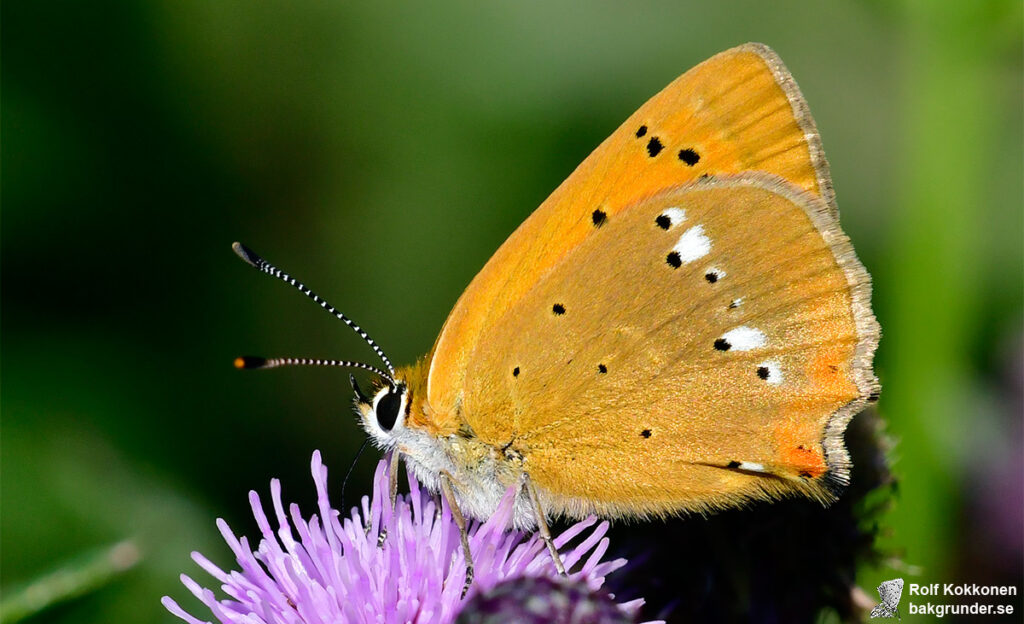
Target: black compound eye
387,410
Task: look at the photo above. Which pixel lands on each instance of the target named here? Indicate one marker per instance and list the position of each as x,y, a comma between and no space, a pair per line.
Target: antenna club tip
248,362
246,254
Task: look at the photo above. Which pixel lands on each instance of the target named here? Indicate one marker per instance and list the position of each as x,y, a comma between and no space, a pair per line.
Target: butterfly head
383,412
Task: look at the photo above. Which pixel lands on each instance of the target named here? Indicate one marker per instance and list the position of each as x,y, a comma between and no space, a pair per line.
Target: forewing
890,592
703,347
738,111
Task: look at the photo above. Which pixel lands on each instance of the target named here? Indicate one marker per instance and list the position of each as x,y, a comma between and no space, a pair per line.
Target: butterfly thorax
435,444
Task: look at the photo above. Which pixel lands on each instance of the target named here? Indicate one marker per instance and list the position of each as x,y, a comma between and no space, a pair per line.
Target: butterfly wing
589,343
883,611
706,346
738,111
890,592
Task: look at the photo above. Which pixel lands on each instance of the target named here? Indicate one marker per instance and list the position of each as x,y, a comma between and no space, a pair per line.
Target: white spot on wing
693,244
675,216
736,302
745,338
751,466
774,372
718,273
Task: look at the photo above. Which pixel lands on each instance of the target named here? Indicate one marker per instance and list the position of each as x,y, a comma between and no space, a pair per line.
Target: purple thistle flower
542,600
336,571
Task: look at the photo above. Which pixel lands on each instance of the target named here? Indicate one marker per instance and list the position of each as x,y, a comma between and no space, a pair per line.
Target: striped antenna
257,262
251,362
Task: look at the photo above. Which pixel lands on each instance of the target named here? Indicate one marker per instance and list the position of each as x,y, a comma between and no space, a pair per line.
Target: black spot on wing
654,147
762,372
711,277
674,260
515,371
663,221
602,368
689,156
558,309
722,344
642,130
599,217
646,433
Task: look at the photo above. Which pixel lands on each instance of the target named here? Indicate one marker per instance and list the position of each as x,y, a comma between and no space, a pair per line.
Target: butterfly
682,326
890,593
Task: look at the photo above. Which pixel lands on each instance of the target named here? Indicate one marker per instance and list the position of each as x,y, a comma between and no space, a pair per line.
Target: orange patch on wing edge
797,453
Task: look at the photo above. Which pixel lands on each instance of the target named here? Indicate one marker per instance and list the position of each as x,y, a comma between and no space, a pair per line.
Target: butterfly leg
396,457
460,521
437,505
542,524
393,464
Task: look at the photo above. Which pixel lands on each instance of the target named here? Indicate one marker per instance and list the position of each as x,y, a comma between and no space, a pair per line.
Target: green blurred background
382,152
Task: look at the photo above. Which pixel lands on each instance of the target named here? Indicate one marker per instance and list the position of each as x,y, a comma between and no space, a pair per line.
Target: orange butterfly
681,326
